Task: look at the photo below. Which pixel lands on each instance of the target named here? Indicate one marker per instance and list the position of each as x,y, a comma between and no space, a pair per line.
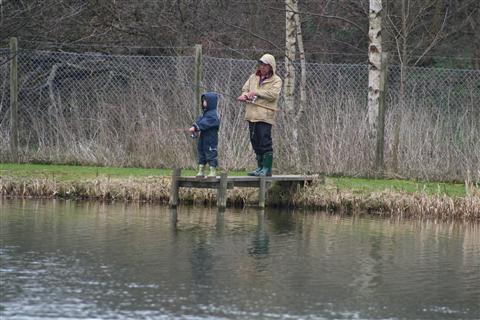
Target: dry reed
316,196
136,118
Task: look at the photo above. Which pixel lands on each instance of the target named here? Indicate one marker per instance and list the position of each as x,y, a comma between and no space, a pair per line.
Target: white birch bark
293,38
289,81
290,51
303,64
375,60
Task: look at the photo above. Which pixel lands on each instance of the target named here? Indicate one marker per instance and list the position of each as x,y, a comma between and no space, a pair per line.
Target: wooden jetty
224,182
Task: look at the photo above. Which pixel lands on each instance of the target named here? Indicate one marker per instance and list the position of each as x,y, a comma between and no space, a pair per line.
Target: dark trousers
207,152
261,137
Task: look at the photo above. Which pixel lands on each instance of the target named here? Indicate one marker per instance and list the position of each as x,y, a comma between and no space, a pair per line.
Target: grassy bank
375,196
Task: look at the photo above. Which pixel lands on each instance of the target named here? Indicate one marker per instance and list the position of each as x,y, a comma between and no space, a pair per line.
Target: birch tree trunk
293,38
289,82
290,51
375,61
303,64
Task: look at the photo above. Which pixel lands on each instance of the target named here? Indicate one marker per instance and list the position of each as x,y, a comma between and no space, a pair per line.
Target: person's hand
251,94
191,129
242,98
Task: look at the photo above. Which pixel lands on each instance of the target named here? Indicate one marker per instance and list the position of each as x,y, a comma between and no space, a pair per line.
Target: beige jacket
267,94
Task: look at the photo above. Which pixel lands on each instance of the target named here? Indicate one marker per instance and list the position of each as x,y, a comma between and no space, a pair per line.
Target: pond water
84,260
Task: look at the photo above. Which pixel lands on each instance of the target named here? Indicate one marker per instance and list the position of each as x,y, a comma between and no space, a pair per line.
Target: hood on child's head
211,98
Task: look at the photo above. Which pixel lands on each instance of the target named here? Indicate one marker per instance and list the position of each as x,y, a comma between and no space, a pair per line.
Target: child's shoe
201,171
212,173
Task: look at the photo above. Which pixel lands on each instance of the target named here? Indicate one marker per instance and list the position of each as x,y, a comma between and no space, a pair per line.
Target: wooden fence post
198,74
380,145
14,99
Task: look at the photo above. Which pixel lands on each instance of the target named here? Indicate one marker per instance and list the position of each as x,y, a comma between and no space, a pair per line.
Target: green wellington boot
212,173
266,165
259,166
201,171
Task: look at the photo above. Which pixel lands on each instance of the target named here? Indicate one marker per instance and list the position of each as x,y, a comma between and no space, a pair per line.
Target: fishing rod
193,135
250,101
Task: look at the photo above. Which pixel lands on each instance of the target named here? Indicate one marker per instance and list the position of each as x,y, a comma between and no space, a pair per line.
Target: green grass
72,173
355,185
362,186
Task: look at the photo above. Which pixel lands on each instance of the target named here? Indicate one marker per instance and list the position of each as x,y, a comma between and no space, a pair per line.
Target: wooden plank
252,179
204,184
273,178
225,182
241,181
174,187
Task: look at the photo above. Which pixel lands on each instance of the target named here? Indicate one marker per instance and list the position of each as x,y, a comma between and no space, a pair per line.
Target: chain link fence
134,110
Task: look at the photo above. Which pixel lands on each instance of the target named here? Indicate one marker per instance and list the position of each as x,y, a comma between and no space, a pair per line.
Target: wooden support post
222,191
175,186
379,161
262,191
14,99
198,74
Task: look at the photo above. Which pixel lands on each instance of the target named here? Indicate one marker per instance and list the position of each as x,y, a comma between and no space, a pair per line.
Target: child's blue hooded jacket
208,124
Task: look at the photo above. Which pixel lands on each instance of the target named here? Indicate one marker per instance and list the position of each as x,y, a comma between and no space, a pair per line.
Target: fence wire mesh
133,110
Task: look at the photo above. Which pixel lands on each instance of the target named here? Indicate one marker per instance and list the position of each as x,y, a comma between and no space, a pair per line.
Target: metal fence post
198,73
14,99
380,145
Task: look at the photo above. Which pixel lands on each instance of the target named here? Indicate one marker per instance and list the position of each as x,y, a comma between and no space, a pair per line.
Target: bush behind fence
132,111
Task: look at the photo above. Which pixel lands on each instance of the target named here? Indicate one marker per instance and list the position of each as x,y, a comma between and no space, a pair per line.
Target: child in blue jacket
207,125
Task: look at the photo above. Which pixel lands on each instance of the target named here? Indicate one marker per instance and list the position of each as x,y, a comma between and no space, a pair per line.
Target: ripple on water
120,262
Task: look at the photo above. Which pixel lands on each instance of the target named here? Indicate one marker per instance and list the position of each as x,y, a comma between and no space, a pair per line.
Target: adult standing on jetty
261,92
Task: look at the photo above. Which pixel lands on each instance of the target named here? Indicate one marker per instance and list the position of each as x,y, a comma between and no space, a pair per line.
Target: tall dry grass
134,116
316,196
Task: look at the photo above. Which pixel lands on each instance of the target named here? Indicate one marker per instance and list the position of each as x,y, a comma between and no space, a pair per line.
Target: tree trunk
475,24
290,51
303,65
403,52
293,39
375,60
289,81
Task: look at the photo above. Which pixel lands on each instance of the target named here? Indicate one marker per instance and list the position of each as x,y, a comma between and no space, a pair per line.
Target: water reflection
260,240
173,219
92,260
220,222
283,222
